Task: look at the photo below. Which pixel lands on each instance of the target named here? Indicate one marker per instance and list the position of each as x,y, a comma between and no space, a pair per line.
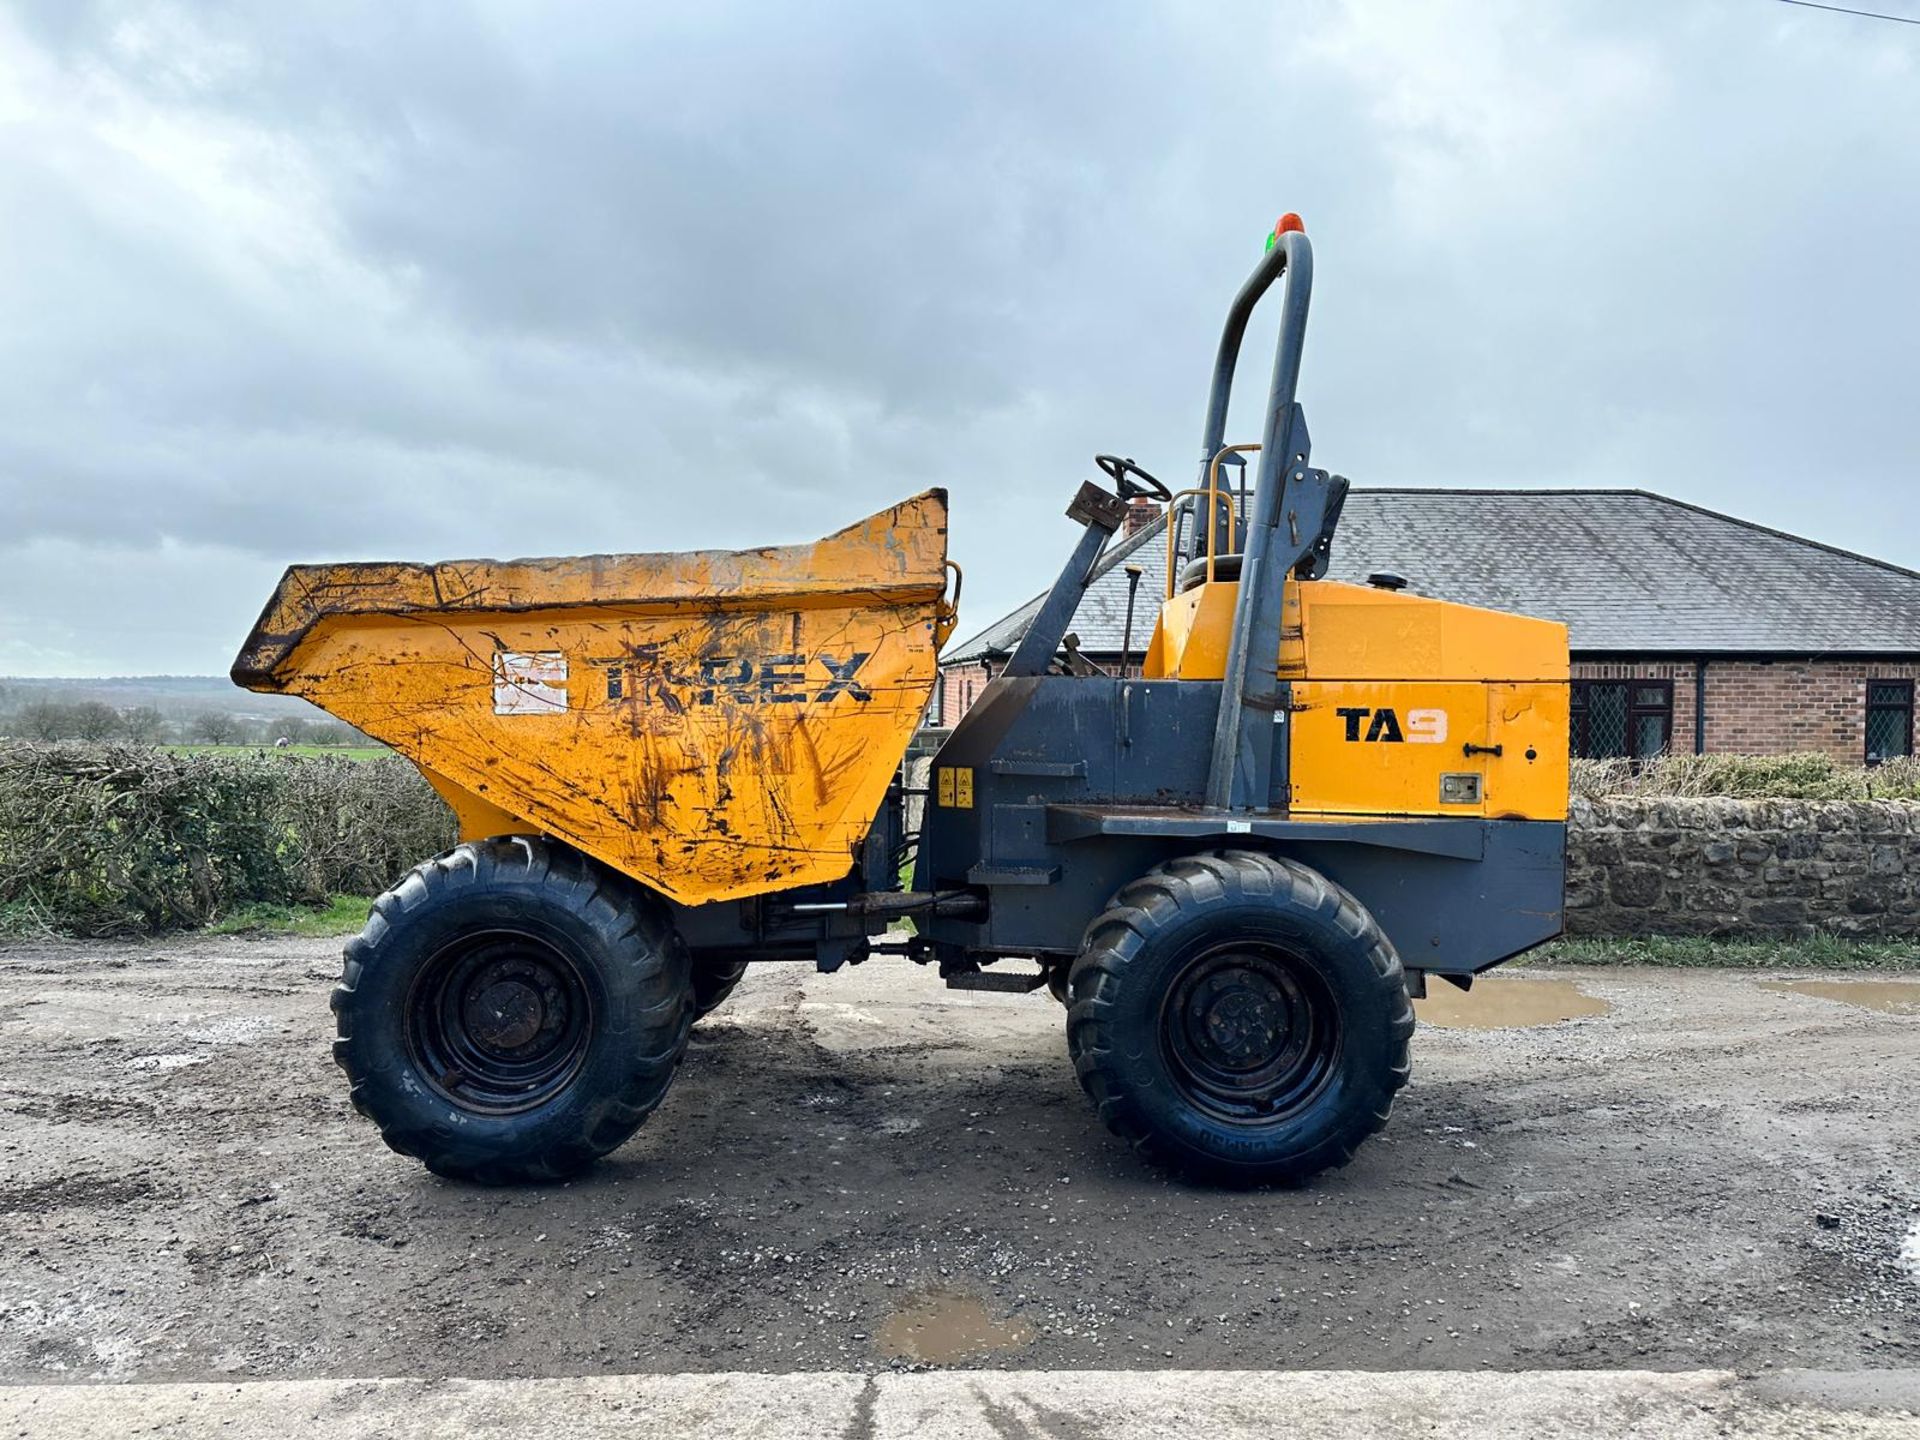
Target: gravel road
1700,1169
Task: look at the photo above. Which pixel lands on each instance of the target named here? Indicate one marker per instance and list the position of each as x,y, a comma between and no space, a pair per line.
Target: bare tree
333,732
46,720
95,720
215,727
142,724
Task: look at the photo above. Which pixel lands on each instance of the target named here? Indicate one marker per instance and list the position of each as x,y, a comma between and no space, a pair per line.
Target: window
1622,718
1889,719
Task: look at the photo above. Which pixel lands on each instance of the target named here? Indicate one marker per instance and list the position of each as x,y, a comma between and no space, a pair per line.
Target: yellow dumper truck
1235,866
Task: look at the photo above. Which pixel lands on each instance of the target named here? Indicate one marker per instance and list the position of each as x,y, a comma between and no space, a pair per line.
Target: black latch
1471,749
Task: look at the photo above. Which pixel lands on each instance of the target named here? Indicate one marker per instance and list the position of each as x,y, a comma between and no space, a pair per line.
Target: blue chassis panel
1081,784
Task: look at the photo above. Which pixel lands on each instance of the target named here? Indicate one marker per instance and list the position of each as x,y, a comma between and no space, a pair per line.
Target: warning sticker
529,684
953,787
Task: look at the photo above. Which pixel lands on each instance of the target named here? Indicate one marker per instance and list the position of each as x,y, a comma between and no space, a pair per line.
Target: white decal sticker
1426,727
1239,827
529,684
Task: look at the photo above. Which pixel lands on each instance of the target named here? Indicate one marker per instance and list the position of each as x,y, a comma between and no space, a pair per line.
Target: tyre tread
627,920
1144,908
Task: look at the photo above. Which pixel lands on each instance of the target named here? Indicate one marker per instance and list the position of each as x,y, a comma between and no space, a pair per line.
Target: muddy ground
1698,1169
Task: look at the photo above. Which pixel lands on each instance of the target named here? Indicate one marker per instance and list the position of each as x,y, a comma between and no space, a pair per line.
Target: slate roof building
1690,630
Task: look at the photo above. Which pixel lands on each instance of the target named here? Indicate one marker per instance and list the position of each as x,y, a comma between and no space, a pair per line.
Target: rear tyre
511,1012
1239,1017
713,982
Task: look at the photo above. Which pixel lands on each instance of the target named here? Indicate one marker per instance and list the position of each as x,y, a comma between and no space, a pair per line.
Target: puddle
1894,997
945,1328
1505,1002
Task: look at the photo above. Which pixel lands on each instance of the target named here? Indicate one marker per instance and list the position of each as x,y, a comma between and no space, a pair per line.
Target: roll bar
1291,256
1240,773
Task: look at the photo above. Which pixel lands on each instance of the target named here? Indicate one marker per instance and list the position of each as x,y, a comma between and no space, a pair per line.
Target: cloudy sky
435,278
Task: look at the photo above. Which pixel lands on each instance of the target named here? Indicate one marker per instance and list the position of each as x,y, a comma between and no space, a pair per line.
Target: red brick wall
960,686
1758,707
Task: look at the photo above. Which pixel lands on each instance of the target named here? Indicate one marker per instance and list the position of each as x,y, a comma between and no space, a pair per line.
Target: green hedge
104,839
109,839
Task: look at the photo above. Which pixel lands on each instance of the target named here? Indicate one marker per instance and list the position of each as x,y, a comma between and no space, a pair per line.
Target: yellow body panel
1190,640
1386,754
716,725
1392,692
1357,632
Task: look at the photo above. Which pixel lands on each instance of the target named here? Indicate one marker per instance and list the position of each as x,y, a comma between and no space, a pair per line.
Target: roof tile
1626,570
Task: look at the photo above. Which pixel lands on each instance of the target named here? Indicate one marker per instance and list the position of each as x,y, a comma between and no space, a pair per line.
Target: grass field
342,915
1815,952
346,752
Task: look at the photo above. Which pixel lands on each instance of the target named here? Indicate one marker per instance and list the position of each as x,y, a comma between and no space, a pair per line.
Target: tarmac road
867,1172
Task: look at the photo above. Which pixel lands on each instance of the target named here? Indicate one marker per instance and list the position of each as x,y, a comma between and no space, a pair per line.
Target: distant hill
178,697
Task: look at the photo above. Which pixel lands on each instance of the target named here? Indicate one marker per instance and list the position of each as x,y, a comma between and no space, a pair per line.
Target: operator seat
1194,572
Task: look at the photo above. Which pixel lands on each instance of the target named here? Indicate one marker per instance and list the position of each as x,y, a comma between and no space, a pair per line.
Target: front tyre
511,1012
1240,1017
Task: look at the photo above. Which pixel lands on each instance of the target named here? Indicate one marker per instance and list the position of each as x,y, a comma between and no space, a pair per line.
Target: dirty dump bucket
714,724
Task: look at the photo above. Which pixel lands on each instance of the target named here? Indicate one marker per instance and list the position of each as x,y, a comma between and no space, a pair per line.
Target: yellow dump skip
714,724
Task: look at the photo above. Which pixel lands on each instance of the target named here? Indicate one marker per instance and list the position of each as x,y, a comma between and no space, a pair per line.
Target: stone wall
1743,867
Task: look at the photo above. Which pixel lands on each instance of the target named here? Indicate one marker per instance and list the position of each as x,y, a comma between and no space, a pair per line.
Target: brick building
1690,630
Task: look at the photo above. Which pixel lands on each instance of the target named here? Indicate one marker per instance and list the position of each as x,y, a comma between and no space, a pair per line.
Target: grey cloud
428,279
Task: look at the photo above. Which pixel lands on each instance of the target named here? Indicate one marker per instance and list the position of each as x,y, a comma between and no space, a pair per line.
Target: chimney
1141,514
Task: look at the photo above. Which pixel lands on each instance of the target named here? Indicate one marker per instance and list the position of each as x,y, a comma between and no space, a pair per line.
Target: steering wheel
1118,471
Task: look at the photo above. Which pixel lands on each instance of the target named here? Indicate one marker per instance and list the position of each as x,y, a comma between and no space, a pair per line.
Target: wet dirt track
862,1170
